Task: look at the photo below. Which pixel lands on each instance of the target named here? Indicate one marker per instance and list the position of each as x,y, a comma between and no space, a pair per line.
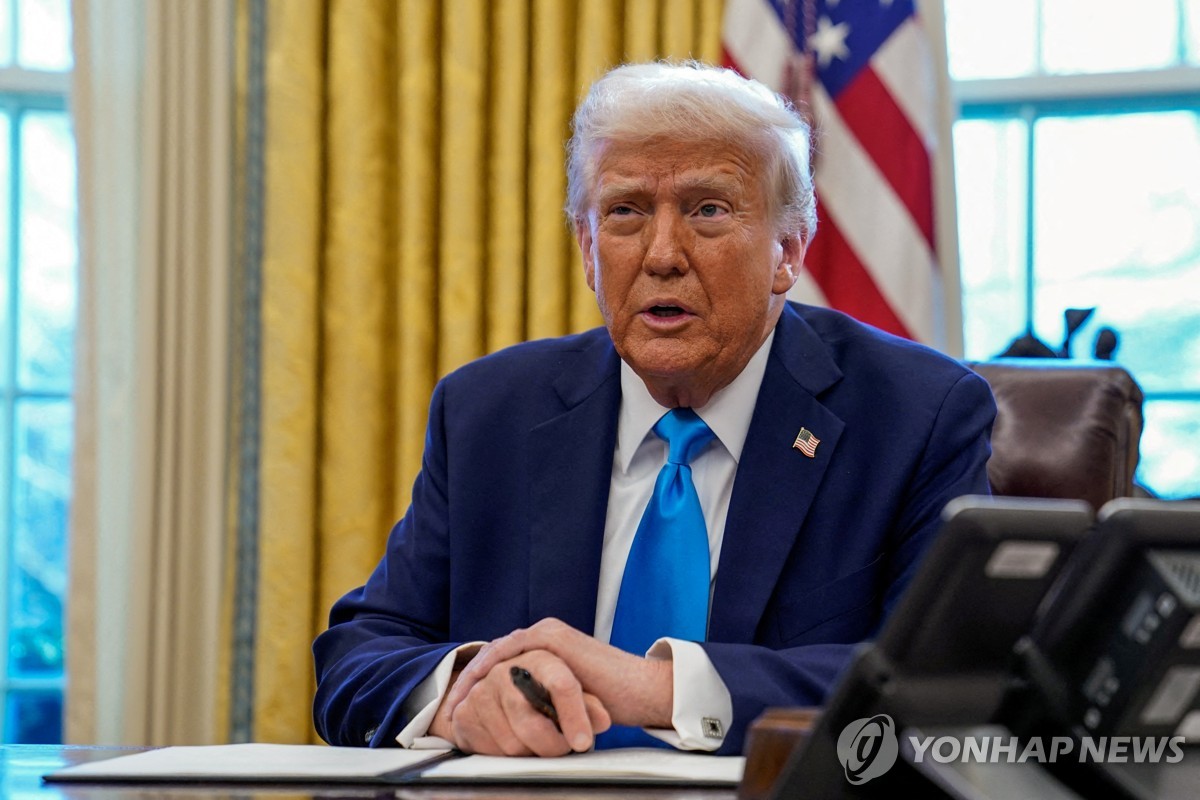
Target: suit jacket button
369,735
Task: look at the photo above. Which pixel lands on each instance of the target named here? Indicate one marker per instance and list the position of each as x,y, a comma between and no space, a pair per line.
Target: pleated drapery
403,184
151,100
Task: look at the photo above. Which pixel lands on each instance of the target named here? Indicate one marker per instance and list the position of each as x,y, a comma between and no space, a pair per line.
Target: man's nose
665,250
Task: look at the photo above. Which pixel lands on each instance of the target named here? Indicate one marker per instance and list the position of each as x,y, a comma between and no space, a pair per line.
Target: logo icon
868,748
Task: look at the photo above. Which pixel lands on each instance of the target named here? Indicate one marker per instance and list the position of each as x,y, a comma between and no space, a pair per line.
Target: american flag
806,443
864,71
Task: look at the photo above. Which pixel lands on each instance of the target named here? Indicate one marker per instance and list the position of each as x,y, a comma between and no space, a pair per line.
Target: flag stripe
847,283
853,194
884,132
756,41
905,65
875,105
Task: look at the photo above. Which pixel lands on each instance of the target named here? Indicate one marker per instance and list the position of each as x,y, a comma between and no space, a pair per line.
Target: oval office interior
248,238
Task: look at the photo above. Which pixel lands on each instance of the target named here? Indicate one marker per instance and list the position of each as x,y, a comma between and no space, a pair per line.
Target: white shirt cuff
422,702
702,709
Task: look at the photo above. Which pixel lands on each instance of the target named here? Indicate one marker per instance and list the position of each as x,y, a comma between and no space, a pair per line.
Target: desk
22,767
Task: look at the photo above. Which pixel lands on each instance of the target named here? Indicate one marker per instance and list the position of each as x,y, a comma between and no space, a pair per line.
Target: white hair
696,102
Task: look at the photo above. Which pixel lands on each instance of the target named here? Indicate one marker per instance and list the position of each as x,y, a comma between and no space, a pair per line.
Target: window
1077,152
37,327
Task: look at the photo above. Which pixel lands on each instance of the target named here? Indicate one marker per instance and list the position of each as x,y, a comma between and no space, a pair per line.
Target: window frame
1040,96
1029,99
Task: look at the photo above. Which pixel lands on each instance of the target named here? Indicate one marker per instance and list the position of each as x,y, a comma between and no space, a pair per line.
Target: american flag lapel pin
806,443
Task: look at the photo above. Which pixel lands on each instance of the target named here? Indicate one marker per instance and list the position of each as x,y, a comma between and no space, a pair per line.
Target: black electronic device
1115,658
1118,651
943,655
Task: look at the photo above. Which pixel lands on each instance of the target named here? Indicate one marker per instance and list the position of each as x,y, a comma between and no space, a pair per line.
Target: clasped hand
592,685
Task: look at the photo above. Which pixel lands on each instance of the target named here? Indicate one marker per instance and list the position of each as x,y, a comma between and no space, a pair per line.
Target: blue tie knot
685,434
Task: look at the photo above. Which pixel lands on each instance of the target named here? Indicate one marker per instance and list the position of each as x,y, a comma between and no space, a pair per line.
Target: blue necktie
664,591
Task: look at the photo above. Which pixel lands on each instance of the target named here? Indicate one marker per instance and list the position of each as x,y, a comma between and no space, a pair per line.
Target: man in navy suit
833,449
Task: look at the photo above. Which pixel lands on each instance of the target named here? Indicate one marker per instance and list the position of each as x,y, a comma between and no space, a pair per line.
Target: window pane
1117,227
5,244
1170,448
990,170
990,40
6,33
45,34
41,494
33,718
1108,35
1191,30
48,252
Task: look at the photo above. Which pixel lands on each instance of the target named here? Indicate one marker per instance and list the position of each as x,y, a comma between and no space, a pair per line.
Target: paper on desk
256,762
633,764
275,763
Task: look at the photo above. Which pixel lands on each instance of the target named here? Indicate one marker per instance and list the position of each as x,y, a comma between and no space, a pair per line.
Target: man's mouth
666,311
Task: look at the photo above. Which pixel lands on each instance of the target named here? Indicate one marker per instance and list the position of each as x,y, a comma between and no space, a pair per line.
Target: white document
251,762
599,766
284,763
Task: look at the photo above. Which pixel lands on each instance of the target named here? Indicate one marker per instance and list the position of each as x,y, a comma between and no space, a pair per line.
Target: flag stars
829,41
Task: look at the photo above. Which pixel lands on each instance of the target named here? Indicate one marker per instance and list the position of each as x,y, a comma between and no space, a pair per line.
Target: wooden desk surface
22,767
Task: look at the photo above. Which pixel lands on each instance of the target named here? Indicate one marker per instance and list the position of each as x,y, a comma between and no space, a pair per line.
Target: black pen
535,693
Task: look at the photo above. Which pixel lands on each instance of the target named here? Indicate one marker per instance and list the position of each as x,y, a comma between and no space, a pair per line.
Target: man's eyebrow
624,188
709,183
721,184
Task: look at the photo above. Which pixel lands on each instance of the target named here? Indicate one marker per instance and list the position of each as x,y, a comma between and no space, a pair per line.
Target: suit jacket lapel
570,471
775,483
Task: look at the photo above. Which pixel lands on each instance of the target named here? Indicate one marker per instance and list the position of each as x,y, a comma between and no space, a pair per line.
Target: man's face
688,267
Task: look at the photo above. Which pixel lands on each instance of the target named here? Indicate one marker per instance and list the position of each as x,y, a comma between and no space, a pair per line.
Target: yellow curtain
403,203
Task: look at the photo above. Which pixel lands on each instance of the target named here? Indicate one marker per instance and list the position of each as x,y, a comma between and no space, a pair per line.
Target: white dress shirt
700,694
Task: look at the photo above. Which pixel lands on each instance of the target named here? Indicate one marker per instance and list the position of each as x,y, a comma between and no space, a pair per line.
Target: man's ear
791,261
583,235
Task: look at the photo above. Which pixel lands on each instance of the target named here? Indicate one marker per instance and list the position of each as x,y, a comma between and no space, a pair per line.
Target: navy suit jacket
507,517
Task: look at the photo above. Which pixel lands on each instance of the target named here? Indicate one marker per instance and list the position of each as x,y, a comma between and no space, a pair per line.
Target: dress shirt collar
727,412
